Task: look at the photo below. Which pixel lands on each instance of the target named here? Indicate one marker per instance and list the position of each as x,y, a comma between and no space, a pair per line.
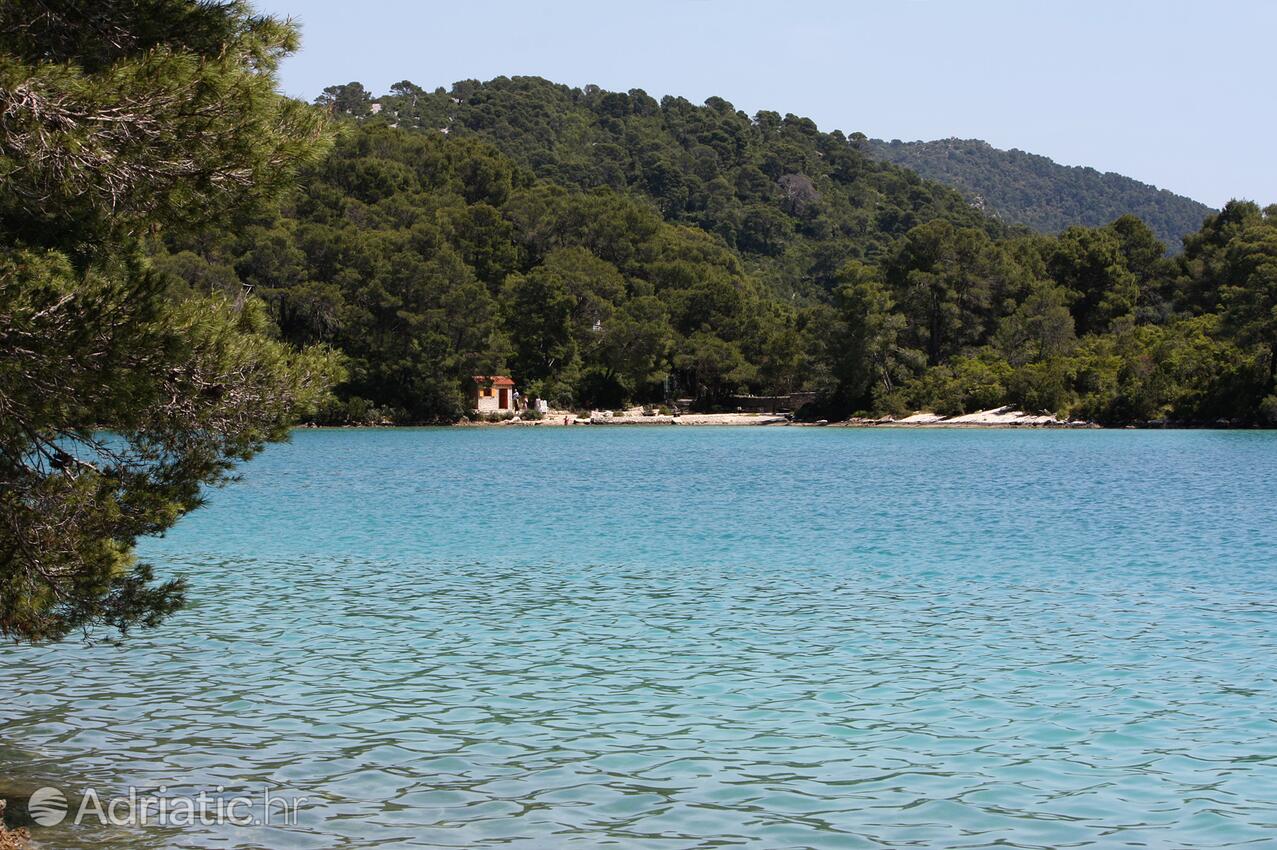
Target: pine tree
123,392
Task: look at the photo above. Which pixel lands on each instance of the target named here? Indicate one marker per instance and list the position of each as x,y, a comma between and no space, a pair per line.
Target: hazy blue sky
1176,93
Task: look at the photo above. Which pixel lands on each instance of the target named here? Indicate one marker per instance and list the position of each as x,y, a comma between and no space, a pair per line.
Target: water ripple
890,695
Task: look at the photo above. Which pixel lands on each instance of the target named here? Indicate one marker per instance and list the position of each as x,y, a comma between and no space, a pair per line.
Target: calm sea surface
682,637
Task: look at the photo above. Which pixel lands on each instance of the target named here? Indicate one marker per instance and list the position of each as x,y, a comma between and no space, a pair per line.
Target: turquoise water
681,637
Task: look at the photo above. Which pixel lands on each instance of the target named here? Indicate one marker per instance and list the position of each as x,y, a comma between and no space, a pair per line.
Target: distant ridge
1035,191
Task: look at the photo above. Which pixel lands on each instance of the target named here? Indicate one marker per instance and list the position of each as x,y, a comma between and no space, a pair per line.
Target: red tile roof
494,380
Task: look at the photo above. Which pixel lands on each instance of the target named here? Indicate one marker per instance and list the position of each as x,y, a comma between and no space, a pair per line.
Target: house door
503,399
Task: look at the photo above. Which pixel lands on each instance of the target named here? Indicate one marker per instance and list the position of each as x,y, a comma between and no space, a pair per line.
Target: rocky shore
1000,417
12,839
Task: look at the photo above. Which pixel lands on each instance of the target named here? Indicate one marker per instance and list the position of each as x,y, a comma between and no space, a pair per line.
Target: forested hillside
1024,188
794,202
607,248
427,259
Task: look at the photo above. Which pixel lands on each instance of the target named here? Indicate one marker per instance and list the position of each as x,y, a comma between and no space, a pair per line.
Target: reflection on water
729,638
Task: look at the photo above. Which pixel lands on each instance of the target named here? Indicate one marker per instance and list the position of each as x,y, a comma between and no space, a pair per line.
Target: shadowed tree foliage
124,389
857,340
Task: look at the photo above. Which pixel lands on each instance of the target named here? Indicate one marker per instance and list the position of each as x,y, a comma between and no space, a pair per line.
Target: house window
487,392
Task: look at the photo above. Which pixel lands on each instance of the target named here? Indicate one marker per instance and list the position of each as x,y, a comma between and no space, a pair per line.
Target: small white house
492,394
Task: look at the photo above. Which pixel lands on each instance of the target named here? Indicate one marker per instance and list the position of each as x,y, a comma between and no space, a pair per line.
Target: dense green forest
606,247
794,202
1031,190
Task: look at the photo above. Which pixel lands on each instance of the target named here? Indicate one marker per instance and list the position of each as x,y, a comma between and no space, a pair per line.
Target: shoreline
984,420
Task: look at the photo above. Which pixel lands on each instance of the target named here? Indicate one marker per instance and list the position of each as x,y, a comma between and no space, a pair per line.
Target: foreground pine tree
123,392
